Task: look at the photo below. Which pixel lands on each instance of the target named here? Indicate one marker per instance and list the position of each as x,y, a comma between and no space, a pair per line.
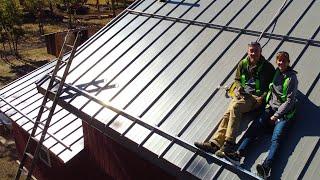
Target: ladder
34,156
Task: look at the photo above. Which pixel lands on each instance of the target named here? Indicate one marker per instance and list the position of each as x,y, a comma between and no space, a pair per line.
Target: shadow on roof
183,3
305,125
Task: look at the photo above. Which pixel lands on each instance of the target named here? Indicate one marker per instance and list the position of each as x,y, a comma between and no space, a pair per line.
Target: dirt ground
8,155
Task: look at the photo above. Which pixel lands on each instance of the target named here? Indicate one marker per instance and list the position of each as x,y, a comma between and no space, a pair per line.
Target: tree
36,7
2,40
10,19
72,6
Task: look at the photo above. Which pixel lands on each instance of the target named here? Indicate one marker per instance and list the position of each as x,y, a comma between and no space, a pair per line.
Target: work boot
227,148
233,157
207,146
263,171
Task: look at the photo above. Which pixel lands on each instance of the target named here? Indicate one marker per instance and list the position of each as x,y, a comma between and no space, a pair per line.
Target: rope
273,22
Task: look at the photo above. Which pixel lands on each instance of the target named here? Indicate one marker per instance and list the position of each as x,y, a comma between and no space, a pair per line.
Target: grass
36,54
6,170
5,69
15,68
8,155
5,74
103,1
8,163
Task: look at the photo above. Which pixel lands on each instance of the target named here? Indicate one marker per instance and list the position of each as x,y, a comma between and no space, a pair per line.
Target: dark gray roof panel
138,133
315,93
156,147
226,175
207,120
193,72
230,12
308,69
213,11
252,11
166,72
24,81
176,154
120,124
203,168
314,167
156,65
175,84
200,9
266,15
66,127
308,24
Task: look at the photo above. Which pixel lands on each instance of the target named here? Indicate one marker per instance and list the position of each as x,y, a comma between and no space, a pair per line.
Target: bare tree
36,8
72,6
10,19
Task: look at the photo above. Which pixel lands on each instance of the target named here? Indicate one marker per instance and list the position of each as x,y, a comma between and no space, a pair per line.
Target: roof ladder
34,155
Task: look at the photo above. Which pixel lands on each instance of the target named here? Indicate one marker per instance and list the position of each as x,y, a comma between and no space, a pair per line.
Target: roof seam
231,29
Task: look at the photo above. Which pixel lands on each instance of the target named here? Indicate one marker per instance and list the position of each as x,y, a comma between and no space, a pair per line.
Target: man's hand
237,92
273,119
260,100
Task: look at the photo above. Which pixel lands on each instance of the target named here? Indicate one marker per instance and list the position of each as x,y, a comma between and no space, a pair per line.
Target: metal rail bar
135,58
150,45
178,35
312,42
193,118
157,130
42,72
104,30
194,85
283,40
108,40
159,123
273,20
30,120
170,61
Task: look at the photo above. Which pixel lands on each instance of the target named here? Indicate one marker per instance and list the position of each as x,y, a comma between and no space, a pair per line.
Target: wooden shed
55,40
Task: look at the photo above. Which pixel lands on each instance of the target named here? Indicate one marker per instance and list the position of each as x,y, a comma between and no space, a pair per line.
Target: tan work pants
229,126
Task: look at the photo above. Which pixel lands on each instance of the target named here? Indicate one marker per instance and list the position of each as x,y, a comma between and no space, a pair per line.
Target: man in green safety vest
277,115
254,73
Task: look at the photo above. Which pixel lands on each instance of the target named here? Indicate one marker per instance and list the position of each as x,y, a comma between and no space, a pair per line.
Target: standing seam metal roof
160,65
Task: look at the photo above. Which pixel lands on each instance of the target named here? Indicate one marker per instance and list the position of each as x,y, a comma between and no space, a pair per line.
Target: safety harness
244,75
283,97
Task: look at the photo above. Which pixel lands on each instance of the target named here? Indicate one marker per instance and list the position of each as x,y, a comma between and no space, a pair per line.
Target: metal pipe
312,42
157,130
273,20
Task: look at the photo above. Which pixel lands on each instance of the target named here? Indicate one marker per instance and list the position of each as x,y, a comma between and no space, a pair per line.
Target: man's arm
266,79
237,78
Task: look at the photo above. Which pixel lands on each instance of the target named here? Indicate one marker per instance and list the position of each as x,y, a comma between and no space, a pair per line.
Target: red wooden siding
117,161
80,167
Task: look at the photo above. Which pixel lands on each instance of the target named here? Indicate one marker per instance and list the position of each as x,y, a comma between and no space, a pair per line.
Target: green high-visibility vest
244,75
284,95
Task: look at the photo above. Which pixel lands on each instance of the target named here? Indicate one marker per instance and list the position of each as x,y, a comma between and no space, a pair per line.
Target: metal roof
151,76
66,136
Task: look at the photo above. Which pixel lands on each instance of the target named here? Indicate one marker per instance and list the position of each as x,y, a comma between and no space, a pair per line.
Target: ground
8,155
32,54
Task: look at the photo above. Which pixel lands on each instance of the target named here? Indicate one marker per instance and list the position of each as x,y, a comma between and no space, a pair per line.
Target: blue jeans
261,126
